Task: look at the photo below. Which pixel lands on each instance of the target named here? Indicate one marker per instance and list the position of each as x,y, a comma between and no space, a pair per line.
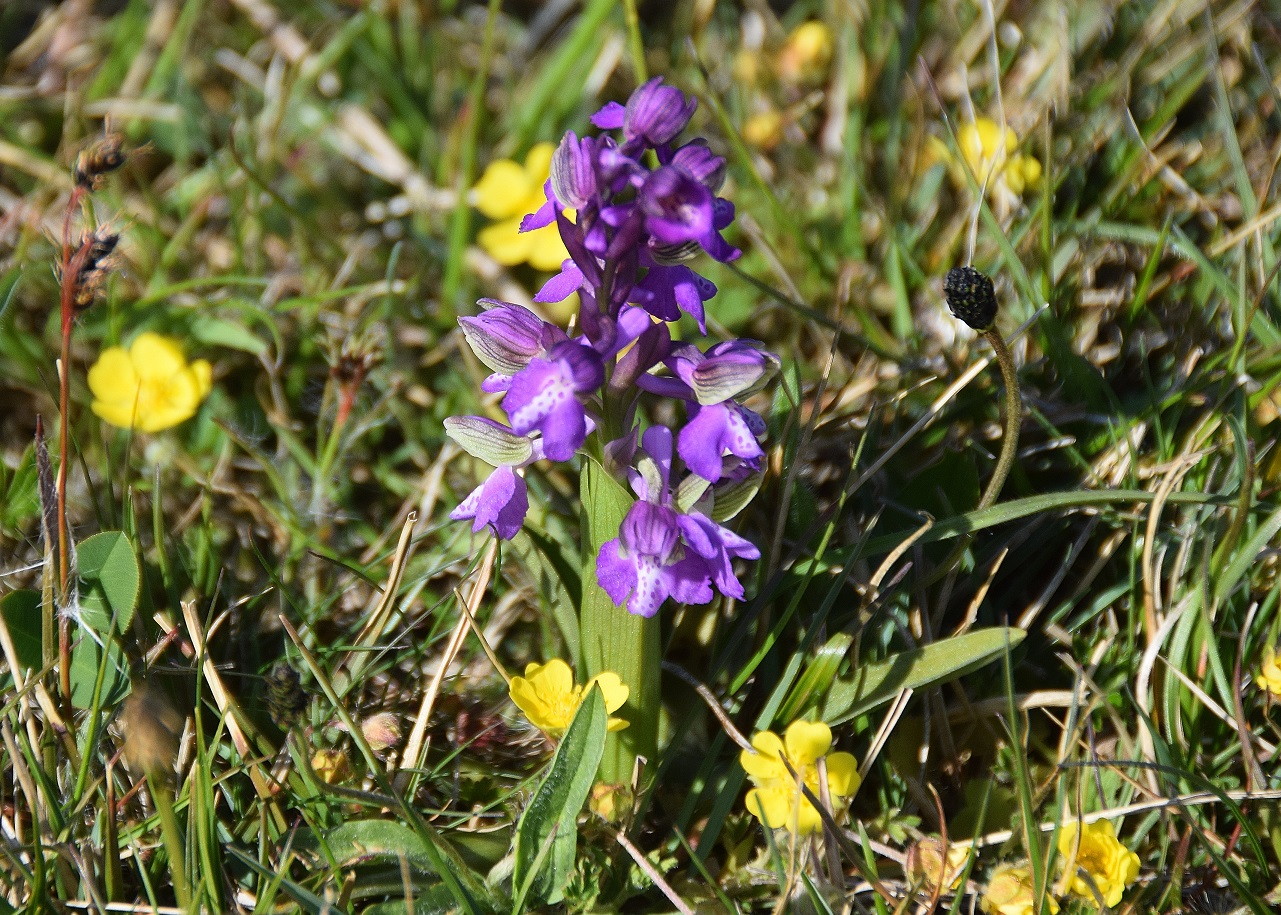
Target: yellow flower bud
929,868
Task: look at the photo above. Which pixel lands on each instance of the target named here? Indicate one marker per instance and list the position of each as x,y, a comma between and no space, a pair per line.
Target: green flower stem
612,638
1013,418
1009,444
173,836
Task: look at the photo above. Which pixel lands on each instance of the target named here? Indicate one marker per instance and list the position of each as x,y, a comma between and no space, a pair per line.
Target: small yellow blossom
507,192
150,386
806,56
1110,865
1011,891
1269,678
993,157
549,697
777,800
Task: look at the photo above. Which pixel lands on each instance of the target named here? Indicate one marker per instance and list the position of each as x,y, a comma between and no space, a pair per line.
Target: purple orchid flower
545,396
505,337
719,547
719,426
643,566
502,501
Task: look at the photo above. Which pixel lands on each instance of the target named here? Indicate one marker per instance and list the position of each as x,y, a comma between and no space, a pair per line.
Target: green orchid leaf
880,681
547,836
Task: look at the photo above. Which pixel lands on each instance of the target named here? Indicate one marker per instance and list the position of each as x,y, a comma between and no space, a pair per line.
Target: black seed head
106,155
970,296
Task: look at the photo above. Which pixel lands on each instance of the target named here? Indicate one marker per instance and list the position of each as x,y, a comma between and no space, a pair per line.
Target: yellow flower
1110,865
1269,678
987,150
150,386
1011,891
807,54
549,697
507,192
777,800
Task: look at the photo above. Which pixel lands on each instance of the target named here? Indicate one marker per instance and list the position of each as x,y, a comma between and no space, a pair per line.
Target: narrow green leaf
555,806
817,678
1244,559
878,682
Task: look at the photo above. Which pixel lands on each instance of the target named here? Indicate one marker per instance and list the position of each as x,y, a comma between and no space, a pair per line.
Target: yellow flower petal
155,357
842,774
150,387
546,250
112,379
1269,677
502,189
554,677
505,243
806,741
1110,865
772,806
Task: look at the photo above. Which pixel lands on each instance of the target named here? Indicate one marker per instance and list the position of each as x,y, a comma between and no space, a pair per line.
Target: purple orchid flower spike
544,396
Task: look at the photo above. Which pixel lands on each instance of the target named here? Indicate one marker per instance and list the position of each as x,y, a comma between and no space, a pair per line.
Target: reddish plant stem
70,266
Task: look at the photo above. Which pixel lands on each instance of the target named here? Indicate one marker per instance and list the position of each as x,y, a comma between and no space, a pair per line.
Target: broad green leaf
552,814
878,682
111,580
230,334
21,611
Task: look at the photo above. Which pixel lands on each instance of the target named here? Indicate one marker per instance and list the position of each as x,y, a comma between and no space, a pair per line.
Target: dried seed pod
105,155
92,262
971,297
